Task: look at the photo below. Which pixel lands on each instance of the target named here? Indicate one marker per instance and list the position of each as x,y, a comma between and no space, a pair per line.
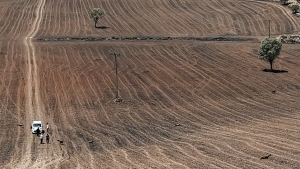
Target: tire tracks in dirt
33,154
30,80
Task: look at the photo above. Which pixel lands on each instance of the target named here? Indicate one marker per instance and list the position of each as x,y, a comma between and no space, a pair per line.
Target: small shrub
295,8
284,2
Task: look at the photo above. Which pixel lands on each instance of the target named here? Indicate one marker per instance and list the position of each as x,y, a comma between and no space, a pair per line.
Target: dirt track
187,104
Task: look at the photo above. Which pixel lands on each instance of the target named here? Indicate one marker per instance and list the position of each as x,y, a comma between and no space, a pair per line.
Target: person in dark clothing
38,131
47,138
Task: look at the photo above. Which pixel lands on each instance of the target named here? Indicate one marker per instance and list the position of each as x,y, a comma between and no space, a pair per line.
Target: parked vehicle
36,125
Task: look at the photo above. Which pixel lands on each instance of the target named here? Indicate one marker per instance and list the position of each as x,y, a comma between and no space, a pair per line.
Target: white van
35,125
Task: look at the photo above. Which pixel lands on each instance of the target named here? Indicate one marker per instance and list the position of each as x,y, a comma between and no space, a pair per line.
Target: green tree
284,2
269,50
96,14
295,8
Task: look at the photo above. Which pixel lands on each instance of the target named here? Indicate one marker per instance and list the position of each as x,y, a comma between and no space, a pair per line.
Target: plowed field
185,104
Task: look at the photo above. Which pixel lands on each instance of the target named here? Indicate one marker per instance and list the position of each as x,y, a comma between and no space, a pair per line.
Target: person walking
41,138
48,127
47,138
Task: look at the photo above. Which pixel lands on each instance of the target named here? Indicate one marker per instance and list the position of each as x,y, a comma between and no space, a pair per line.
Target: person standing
47,138
48,127
38,131
41,138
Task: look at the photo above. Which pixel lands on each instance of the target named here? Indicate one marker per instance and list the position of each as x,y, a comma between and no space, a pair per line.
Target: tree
284,2
269,50
295,8
96,14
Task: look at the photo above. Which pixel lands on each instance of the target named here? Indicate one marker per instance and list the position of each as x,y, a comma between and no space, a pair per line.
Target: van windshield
36,125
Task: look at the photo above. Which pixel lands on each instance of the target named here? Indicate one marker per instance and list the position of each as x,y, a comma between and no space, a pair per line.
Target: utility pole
269,28
116,66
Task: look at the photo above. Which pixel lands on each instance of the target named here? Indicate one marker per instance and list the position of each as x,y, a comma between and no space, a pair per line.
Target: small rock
118,100
265,157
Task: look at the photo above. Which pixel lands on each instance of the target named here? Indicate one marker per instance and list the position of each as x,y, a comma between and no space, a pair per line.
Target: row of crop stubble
166,18
182,103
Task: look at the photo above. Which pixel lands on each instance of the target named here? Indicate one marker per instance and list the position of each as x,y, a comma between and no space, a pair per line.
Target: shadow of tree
275,71
102,27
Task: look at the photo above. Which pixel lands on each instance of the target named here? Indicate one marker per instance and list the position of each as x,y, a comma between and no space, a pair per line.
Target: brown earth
186,104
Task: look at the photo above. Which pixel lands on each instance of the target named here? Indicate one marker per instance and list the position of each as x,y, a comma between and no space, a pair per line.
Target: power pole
116,66
269,28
